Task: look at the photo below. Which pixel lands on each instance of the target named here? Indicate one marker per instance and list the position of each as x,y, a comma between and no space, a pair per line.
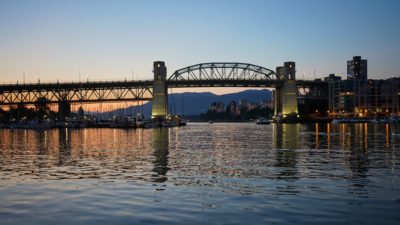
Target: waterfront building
233,108
357,69
217,107
359,96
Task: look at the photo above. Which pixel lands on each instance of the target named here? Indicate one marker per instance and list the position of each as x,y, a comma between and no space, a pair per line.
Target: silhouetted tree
42,108
64,110
81,113
230,113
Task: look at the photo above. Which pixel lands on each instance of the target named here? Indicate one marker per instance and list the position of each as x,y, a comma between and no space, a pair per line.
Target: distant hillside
190,103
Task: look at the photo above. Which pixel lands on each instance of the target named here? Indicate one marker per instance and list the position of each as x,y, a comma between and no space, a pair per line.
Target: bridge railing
18,83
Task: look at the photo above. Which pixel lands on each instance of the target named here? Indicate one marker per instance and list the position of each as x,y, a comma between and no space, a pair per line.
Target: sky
107,40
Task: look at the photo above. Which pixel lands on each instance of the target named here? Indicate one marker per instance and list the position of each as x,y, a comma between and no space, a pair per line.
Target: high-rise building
357,69
359,97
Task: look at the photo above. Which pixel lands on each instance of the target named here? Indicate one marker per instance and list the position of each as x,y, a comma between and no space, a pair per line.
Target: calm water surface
202,174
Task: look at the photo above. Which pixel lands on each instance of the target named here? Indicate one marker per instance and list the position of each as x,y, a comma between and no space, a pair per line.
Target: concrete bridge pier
160,92
286,95
277,93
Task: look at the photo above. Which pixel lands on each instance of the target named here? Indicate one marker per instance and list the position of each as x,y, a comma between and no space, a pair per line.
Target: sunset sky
106,40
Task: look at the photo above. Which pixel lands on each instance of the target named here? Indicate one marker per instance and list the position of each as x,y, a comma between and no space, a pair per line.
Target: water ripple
219,173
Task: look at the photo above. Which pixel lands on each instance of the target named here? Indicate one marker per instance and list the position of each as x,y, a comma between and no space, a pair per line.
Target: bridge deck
112,91
76,92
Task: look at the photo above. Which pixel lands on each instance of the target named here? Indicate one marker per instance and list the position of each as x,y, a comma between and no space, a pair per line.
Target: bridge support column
277,93
286,96
289,98
160,91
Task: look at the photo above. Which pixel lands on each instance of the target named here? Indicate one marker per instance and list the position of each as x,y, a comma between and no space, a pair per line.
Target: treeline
39,112
232,113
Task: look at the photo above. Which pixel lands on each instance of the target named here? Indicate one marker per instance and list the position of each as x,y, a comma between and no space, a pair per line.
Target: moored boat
182,122
263,120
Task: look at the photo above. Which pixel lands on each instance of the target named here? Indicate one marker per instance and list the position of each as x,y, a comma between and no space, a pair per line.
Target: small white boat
182,122
263,120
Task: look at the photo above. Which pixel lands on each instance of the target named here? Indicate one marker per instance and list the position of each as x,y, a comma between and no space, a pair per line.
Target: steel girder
223,71
77,92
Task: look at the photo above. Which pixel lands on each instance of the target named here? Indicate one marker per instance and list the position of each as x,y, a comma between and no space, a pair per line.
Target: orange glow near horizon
91,107
110,106
105,106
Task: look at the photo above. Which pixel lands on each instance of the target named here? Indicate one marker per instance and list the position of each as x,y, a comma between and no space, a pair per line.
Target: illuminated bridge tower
286,96
160,92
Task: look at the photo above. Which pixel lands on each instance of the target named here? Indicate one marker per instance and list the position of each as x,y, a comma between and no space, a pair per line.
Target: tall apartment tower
357,69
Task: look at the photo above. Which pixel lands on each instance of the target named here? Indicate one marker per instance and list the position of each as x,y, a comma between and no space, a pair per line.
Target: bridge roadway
114,91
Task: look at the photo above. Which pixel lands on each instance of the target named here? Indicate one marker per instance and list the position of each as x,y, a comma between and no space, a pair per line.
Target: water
202,174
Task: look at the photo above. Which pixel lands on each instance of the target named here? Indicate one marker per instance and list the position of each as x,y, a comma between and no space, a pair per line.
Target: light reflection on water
202,173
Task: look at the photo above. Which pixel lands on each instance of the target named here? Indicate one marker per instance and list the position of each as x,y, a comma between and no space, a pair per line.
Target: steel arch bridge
223,74
213,74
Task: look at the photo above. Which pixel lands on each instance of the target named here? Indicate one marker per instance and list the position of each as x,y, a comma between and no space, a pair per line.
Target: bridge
216,74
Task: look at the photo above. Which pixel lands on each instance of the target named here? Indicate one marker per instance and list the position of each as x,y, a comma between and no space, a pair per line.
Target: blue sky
53,40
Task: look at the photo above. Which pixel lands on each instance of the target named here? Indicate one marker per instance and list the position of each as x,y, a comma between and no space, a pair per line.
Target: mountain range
194,103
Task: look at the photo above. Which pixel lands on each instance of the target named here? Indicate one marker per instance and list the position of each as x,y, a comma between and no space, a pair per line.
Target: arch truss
223,71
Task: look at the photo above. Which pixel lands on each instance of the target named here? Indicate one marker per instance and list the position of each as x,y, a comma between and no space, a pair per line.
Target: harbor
93,122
